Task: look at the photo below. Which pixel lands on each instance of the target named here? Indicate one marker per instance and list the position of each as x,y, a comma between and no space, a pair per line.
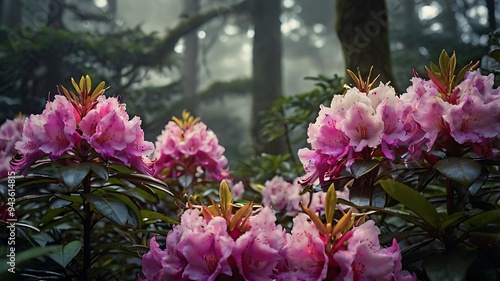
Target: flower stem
449,197
87,229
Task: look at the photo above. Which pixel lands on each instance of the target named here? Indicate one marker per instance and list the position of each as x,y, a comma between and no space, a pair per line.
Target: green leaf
482,219
450,265
226,199
362,167
134,215
495,54
111,207
412,200
151,215
330,203
100,170
453,219
459,169
73,175
27,255
66,253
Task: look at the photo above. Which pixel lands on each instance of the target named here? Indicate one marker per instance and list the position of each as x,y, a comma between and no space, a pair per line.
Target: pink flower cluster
357,125
109,131
186,150
361,125
469,116
285,197
10,132
106,127
197,249
356,256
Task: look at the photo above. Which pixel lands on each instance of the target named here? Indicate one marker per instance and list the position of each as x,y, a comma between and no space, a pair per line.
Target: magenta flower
259,251
475,118
72,121
237,190
109,131
357,125
364,259
10,133
215,242
186,146
152,262
305,251
282,196
469,116
51,133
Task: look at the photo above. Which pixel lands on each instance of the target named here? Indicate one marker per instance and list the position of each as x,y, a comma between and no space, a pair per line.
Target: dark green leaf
100,170
110,207
412,200
483,269
42,238
27,255
450,265
362,167
461,170
66,253
453,219
482,219
73,175
495,54
134,214
150,215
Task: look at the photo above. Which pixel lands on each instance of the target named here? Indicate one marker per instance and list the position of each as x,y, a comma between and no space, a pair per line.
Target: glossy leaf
65,253
27,255
412,200
73,175
453,219
461,170
110,207
100,170
450,265
330,204
482,219
362,167
151,215
226,199
134,215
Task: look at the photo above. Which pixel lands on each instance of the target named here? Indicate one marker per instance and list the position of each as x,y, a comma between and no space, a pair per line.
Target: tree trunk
190,61
12,14
267,69
492,22
362,28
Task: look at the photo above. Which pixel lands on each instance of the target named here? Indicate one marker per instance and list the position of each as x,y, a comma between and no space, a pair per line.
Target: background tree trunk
267,69
190,60
362,28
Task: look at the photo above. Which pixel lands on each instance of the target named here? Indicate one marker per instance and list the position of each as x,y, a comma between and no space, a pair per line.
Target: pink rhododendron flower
468,117
357,125
364,259
258,251
282,196
51,133
285,197
305,251
152,266
184,148
105,127
10,133
202,249
109,131
237,190
475,118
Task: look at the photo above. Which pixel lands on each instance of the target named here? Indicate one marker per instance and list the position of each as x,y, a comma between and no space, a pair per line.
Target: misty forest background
226,61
